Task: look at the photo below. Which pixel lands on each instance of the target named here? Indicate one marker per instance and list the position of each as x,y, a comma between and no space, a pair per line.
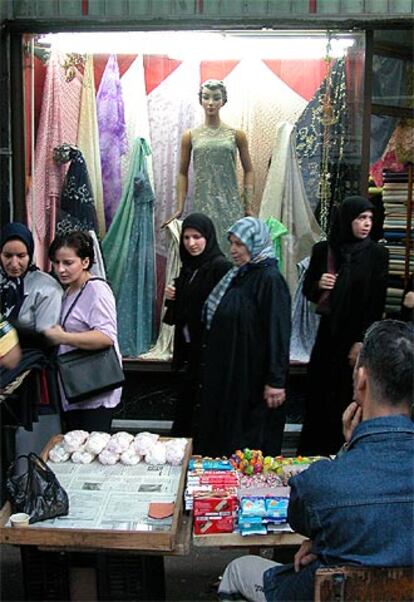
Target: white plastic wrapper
144,442
81,456
58,453
119,442
96,442
130,456
175,450
108,457
73,440
157,454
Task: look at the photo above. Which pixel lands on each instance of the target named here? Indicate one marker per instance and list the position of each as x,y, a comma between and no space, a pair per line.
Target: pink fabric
58,124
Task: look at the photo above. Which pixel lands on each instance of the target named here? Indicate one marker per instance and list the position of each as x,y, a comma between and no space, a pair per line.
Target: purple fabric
113,139
94,310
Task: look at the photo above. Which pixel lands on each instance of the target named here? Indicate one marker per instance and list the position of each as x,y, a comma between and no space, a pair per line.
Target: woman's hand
55,334
274,397
353,354
170,292
327,281
350,419
304,555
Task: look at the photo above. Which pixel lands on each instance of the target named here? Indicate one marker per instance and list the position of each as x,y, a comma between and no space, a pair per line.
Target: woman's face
194,242
69,267
211,101
15,258
239,252
362,225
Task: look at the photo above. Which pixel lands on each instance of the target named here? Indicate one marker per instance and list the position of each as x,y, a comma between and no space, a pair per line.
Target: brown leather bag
323,306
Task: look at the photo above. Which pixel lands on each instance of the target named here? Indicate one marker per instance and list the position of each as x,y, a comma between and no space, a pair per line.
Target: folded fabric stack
395,196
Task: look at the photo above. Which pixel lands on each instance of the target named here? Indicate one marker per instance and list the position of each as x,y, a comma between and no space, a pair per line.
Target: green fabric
115,245
277,230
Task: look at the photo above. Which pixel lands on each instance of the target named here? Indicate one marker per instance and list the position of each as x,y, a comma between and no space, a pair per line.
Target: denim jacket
359,508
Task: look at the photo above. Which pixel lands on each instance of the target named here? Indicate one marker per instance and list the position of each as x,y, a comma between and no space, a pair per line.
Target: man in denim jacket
359,508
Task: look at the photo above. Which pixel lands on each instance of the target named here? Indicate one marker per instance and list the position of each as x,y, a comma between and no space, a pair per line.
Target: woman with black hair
347,276
88,321
203,265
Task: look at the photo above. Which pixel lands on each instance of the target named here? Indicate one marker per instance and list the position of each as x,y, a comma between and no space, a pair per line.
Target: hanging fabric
88,141
173,107
137,292
76,208
113,140
116,243
277,231
163,348
258,110
321,135
284,198
305,321
136,112
58,123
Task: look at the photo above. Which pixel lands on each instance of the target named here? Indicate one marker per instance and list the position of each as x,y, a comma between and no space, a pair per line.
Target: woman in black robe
203,265
350,270
246,349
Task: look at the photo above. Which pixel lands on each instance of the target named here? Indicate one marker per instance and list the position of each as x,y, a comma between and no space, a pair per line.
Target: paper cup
21,519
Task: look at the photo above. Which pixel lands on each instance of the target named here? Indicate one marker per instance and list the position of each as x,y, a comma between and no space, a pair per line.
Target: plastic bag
36,492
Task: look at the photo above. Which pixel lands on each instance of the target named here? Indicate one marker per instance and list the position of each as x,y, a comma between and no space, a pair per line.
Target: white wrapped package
108,457
157,454
175,450
58,453
81,456
73,440
144,442
96,442
119,442
130,456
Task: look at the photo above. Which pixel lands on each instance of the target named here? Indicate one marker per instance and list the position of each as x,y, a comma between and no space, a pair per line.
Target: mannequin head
213,85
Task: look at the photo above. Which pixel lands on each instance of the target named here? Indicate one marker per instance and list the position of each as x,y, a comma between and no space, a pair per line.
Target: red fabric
157,68
216,69
304,77
44,397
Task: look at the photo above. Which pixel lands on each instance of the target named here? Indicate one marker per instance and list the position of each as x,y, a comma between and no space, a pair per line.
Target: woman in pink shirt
88,321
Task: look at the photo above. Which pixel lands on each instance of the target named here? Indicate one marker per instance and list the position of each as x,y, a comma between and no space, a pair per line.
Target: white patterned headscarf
255,235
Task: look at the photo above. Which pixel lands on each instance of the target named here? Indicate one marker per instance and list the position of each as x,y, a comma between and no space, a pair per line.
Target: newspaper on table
114,497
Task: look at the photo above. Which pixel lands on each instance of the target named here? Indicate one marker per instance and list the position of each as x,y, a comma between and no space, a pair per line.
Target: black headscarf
346,249
205,226
12,289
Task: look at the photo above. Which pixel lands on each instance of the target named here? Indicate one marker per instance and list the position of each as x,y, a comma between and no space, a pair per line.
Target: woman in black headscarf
347,276
203,265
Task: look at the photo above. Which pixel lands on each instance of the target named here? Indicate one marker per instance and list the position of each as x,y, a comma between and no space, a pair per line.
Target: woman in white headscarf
246,349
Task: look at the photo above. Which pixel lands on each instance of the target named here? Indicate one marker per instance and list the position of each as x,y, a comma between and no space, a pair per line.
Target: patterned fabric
216,191
58,123
77,208
88,141
321,135
136,299
116,243
113,140
305,321
172,108
255,235
8,337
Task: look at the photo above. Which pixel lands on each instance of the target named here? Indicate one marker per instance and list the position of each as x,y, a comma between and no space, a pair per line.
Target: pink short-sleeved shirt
94,310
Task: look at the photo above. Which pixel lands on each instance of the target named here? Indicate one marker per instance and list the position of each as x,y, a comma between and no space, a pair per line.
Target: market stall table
62,563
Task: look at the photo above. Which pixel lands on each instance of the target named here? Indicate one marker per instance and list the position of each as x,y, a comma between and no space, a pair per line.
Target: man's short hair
388,354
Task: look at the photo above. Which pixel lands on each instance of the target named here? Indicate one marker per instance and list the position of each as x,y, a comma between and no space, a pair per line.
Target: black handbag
323,306
88,373
85,374
37,492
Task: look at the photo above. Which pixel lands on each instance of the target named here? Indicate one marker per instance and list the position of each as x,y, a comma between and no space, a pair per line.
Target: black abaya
329,371
246,348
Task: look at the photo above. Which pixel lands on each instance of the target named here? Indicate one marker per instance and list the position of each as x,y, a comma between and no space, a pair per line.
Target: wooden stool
364,584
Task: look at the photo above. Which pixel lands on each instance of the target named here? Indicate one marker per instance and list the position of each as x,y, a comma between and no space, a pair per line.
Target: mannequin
213,146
